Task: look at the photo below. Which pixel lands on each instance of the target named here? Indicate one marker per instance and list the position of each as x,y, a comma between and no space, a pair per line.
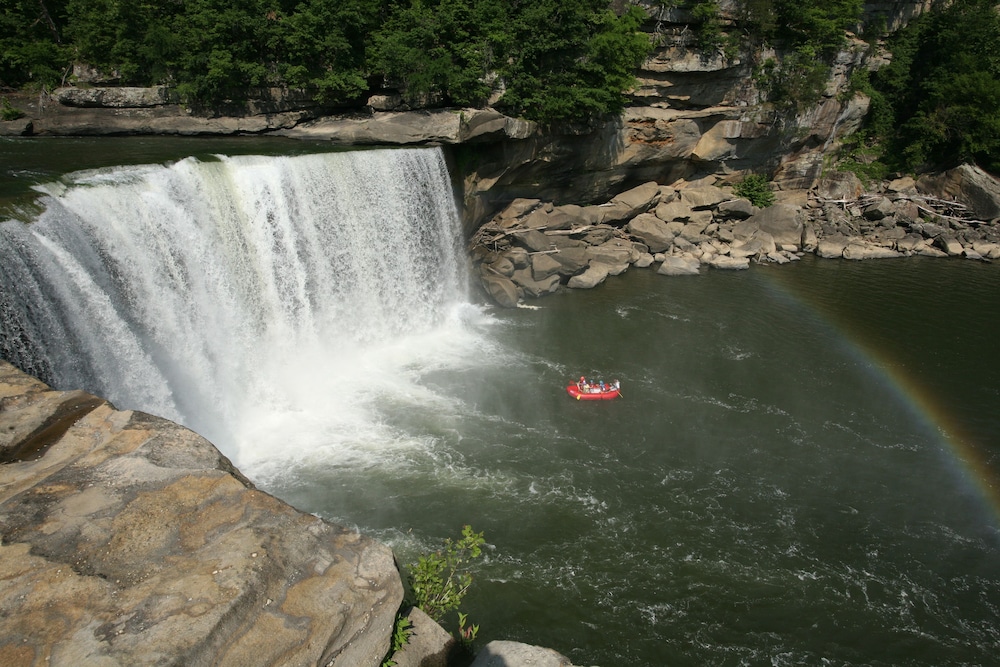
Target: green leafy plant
8,112
400,638
466,633
440,580
756,188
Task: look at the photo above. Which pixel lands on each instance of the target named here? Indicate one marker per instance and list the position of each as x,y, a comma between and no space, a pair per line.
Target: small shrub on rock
756,188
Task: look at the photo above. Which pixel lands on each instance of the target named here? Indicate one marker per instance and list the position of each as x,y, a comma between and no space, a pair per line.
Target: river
802,470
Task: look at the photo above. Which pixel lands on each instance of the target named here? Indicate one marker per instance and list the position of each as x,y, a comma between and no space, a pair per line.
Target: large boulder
501,289
969,185
675,265
595,274
130,540
639,199
782,221
652,231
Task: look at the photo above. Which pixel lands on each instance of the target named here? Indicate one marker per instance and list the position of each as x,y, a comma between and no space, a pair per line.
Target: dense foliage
552,59
938,103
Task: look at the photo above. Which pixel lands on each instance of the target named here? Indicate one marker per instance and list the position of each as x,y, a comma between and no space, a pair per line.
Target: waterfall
244,297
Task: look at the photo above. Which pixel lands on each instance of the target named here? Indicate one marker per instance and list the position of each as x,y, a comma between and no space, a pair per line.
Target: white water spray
268,303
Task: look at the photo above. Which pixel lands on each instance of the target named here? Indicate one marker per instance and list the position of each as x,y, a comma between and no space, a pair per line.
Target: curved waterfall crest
191,289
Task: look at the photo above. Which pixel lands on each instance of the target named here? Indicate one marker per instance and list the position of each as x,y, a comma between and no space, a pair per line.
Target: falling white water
268,303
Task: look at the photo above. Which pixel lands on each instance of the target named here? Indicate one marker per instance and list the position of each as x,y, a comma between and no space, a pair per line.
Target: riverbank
533,248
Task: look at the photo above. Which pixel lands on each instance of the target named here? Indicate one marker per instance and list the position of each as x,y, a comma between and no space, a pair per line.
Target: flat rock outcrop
130,540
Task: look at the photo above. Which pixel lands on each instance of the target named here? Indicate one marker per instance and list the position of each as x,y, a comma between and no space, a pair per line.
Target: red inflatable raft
592,392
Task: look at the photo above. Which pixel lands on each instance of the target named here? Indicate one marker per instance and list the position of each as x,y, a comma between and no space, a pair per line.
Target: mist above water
265,302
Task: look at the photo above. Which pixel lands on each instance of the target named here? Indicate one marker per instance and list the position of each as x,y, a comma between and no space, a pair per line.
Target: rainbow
968,456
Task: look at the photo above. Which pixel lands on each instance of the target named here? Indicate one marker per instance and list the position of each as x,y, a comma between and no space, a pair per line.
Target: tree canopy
553,60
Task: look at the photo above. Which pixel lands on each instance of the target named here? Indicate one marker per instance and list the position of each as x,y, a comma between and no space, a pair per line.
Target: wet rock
502,290
516,654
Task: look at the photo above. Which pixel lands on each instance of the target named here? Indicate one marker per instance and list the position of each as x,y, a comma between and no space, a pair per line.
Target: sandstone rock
930,251
532,287
591,215
21,127
703,197
615,251
595,274
130,540
639,199
571,260
502,290
904,185
878,210
782,222
598,235
679,266
543,266
904,210
832,246
519,208
516,654
652,231
519,257
671,211
739,209
840,185
729,263
645,260
860,250
536,241
385,102
969,185
536,219
429,644
910,243
613,212
502,265
449,126
949,244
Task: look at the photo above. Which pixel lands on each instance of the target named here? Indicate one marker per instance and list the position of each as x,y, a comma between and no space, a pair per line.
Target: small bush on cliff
757,189
440,580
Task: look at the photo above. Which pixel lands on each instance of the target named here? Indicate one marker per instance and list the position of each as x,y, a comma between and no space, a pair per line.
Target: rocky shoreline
533,248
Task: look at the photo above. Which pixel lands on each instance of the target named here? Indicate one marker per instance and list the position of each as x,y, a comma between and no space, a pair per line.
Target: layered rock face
129,540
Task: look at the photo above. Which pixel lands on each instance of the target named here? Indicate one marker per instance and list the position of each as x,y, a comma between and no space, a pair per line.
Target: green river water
803,468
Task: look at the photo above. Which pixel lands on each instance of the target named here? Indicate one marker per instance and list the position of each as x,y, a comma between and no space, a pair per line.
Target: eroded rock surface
129,540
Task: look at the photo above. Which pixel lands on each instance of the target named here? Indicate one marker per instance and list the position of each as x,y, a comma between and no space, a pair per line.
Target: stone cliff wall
128,540
692,113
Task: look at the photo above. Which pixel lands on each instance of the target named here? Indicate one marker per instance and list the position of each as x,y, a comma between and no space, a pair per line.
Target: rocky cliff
692,113
129,540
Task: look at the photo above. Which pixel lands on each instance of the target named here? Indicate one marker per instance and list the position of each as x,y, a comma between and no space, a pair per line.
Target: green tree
323,46
32,47
572,59
442,48
946,84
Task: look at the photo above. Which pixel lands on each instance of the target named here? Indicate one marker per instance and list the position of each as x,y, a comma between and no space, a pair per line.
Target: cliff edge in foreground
129,540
